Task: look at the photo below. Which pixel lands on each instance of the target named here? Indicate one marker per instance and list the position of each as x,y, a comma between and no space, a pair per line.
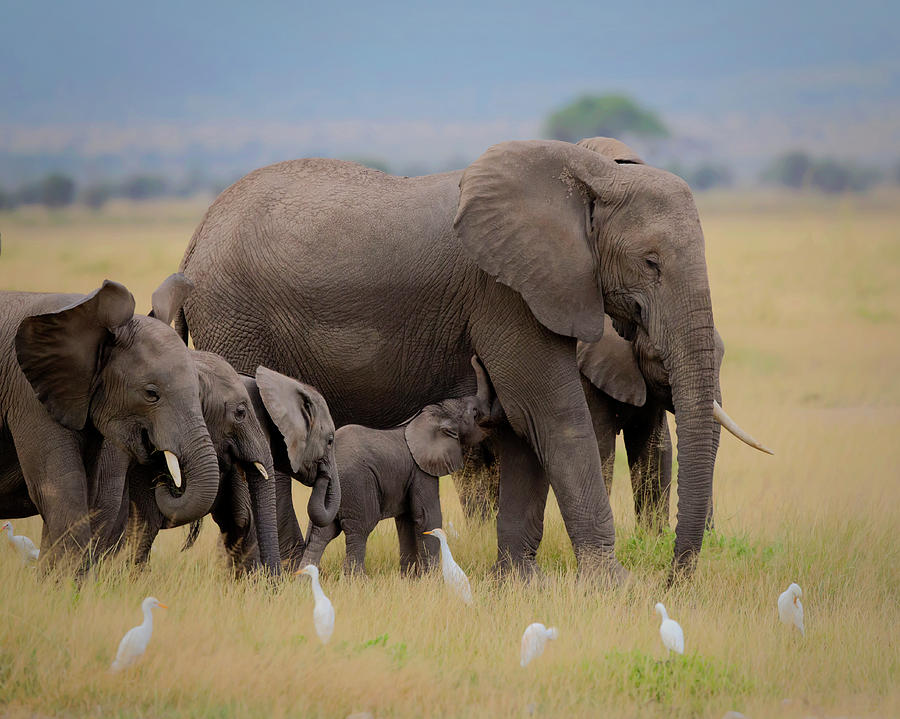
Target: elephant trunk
325,499
694,379
262,503
199,468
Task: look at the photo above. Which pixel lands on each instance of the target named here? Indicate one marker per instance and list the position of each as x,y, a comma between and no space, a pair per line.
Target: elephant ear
433,441
169,297
61,353
292,407
525,217
615,150
610,365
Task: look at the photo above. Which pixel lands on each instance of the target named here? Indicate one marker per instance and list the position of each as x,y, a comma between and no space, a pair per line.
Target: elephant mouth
245,468
160,464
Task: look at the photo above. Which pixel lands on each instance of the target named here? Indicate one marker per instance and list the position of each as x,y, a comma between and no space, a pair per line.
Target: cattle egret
323,612
790,609
670,631
23,545
135,641
454,576
534,640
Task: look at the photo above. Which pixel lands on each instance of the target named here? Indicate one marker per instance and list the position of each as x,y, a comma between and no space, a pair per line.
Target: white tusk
174,469
732,426
261,470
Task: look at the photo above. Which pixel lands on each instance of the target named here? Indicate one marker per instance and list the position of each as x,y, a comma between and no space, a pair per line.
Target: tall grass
807,299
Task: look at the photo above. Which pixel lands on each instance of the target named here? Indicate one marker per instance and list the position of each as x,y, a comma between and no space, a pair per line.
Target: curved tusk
732,426
261,470
174,469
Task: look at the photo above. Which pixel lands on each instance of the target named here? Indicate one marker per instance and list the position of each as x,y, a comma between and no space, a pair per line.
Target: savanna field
806,294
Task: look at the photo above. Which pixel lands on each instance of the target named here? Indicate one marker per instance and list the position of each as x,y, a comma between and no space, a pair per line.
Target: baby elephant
394,473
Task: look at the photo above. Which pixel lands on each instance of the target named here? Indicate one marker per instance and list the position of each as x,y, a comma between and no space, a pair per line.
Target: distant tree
789,170
57,190
830,176
708,175
7,200
96,195
143,187
862,178
608,115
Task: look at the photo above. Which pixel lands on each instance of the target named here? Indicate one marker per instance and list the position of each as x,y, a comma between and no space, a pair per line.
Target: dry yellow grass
807,297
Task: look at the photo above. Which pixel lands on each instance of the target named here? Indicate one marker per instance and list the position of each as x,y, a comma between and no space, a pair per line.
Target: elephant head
301,432
583,230
437,435
95,363
628,371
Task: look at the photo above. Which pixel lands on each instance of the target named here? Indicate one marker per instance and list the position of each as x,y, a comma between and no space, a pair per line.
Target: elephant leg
523,497
141,533
409,544
649,449
50,458
606,427
290,539
318,538
355,560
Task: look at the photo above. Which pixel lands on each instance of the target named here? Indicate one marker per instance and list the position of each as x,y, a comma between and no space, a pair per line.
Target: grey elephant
394,473
303,437
80,370
378,289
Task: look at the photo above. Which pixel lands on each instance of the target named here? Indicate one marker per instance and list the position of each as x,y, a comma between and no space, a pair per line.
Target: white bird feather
24,547
323,611
790,608
136,639
534,639
670,631
454,576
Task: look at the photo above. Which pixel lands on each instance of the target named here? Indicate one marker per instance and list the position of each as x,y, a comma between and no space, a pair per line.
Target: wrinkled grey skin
78,370
628,391
394,473
244,507
298,427
378,289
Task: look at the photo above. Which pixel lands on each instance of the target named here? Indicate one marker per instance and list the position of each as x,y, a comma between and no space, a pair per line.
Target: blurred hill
100,89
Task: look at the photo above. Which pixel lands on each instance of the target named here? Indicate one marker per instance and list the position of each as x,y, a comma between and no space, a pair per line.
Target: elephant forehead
152,350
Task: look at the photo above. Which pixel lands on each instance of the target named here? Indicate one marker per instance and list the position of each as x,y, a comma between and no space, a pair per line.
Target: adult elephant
378,289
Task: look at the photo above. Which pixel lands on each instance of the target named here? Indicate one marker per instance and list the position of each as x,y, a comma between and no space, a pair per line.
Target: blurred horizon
102,89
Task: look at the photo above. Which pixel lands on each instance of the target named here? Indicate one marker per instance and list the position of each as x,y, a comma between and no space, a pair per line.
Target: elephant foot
603,569
523,569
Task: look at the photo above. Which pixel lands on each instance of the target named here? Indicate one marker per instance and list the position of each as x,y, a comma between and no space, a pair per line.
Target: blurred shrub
7,200
142,187
97,195
55,190
607,115
798,169
706,176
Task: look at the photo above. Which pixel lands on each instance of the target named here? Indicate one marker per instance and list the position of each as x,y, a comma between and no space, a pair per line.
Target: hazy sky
94,62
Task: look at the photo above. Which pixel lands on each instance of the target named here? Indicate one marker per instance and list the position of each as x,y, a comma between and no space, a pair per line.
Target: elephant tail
193,534
181,325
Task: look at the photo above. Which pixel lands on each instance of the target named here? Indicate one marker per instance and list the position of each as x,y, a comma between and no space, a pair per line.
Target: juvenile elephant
80,370
303,437
395,282
394,473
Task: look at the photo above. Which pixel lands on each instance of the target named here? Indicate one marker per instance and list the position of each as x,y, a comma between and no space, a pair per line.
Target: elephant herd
547,297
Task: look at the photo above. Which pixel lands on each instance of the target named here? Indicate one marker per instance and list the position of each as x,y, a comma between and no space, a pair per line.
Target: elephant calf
394,473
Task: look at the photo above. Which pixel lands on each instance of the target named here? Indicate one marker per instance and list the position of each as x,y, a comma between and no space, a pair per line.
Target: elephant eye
151,394
653,263
240,412
330,440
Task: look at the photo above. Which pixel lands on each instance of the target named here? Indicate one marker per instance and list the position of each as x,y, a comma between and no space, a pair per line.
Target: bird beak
162,606
428,532
300,571
795,601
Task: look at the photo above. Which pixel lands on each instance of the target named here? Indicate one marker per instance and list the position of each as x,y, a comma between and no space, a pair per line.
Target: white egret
534,639
136,639
670,631
454,576
790,608
323,612
23,545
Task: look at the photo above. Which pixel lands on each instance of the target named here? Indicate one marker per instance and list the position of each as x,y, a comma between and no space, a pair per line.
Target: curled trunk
200,475
262,503
325,499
